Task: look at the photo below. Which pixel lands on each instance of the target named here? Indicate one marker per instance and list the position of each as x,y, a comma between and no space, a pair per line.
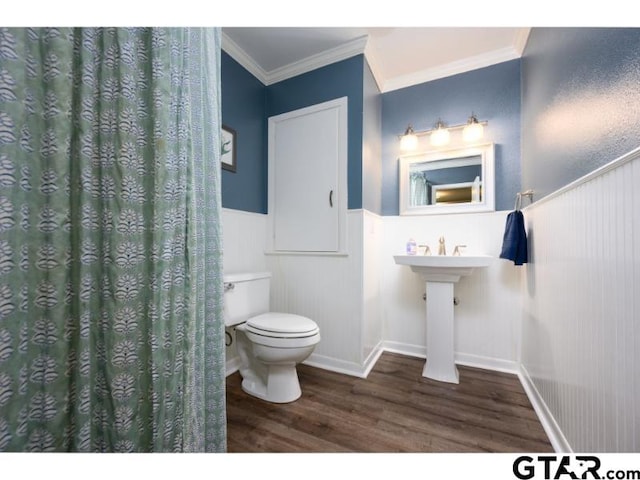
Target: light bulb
440,136
409,140
473,131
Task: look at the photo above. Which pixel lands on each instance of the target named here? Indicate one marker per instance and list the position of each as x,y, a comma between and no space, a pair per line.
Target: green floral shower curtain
111,330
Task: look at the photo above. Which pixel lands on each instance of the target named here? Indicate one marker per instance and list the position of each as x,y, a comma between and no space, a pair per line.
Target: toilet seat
282,330
282,325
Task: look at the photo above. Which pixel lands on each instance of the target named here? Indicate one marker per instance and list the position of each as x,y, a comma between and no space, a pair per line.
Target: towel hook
519,195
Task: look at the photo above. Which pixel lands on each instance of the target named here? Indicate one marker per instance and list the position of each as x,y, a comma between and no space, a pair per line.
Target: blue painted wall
243,109
580,102
337,80
371,144
493,93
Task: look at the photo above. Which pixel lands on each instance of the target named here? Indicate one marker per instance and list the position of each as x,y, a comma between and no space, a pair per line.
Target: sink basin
440,274
443,268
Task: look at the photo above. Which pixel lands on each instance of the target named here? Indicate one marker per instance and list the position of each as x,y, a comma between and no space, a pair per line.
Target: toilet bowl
269,344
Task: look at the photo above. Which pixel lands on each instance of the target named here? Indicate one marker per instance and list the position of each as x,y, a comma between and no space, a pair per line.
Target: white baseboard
336,365
551,427
487,363
372,359
327,363
232,365
404,349
469,360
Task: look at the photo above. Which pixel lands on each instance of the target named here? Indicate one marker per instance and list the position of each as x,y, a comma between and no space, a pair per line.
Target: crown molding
521,40
374,65
453,68
361,45
240,56
341,52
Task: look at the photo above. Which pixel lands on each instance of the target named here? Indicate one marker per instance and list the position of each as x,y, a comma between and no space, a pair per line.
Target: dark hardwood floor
394,410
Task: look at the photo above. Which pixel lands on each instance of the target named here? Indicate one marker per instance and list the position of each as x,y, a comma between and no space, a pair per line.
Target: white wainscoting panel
581,308
487,328
327,289
371,278
243,239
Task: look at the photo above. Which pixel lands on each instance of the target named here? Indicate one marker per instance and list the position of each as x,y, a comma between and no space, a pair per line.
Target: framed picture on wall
228,154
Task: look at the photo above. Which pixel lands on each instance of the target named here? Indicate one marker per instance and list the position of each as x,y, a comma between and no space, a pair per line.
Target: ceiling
398,56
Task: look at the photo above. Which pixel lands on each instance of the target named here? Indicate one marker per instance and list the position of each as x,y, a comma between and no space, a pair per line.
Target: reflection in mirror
447,181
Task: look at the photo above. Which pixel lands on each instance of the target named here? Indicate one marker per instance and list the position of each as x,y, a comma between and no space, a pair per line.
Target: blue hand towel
514,242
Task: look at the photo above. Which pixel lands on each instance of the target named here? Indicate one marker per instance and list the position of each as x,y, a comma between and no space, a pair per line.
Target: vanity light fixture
440,136
409,140
472,131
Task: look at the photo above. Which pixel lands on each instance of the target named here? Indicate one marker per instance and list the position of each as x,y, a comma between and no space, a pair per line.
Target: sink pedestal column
440,274
440,337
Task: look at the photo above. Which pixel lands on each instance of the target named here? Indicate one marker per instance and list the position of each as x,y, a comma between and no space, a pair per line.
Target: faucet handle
456,250
427,250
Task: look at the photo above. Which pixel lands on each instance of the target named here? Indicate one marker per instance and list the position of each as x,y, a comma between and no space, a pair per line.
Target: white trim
322,59
305,253
466,359
368,212
372,359
333,55
336,365
232,365
618,162
485,151
374,66
487,363
327,363
242,212
240,56
342,106
522,37
410,350
245,276
361,45
362,371
453,68
551,427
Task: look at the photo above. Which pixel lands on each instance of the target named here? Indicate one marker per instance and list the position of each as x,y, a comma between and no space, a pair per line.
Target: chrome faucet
456,251
427,250
442,250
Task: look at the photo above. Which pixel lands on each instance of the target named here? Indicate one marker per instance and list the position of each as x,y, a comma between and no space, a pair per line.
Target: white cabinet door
307,178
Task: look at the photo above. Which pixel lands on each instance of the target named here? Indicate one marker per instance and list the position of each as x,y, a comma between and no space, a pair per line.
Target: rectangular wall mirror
448,181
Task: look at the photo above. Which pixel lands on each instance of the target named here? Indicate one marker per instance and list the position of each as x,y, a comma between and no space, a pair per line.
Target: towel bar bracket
519,195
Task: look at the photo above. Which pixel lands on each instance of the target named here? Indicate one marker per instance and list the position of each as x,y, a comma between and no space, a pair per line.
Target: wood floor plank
395,409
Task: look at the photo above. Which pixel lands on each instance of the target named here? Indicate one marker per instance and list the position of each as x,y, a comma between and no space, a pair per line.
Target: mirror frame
487,155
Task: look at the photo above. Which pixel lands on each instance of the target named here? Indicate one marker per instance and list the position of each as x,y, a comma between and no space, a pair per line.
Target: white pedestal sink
440,273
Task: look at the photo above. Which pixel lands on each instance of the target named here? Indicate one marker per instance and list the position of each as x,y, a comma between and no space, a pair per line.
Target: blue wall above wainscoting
371,144
492,93
337,80
580,98
243,109
247,104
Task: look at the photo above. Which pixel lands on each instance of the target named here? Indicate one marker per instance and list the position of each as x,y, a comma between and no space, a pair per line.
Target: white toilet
269,344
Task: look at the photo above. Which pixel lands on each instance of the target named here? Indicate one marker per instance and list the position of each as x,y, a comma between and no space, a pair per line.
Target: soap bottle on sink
412,247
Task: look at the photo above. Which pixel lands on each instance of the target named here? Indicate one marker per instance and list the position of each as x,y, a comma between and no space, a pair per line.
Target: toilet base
282,385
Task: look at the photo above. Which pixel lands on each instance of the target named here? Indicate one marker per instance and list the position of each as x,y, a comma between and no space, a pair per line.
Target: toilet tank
245,295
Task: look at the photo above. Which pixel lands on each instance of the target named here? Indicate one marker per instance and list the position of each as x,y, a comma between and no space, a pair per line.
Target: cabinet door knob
331,198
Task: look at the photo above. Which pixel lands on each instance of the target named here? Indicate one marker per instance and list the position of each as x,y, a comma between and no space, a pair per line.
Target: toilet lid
279,324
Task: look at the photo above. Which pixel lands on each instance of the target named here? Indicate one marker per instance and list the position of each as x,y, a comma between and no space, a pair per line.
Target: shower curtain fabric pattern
111,330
